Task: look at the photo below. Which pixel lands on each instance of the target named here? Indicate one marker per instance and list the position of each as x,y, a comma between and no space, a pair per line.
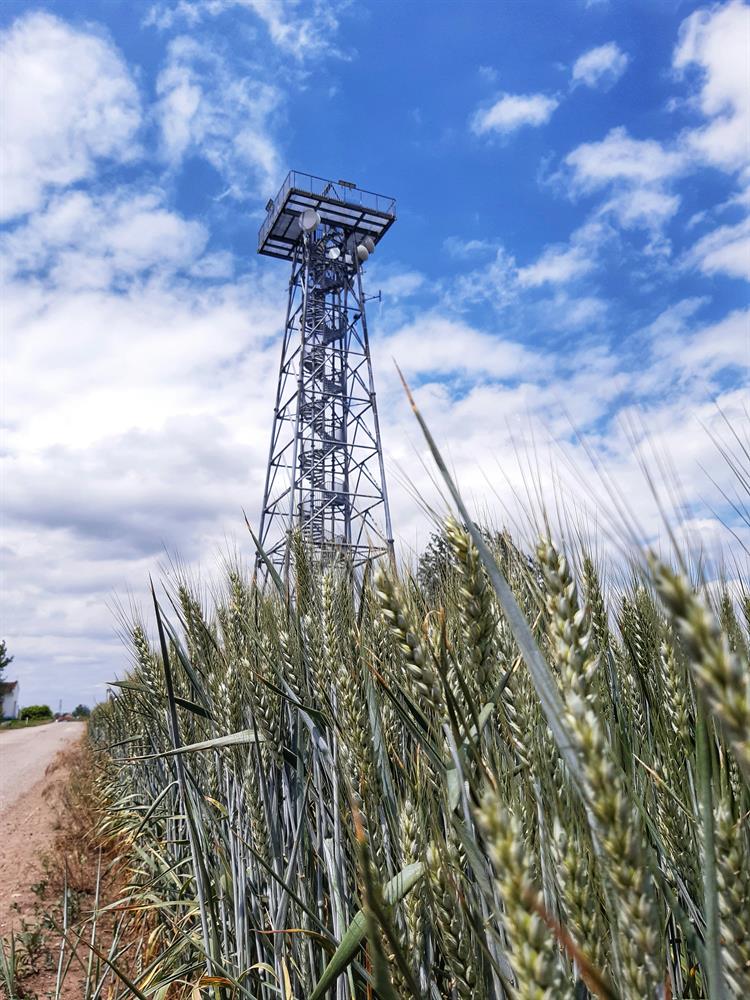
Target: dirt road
26,753
27,813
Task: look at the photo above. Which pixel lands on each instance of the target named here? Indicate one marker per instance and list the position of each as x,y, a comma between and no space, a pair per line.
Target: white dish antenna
310,220
369,242
362,252
334,253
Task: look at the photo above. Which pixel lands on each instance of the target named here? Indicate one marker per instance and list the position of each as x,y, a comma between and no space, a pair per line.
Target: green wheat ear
722,676
608,849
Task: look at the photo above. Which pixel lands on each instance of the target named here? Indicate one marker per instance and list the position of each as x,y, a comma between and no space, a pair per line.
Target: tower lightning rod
325,477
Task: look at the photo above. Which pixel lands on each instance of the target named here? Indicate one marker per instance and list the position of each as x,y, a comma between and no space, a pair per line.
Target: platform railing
338,191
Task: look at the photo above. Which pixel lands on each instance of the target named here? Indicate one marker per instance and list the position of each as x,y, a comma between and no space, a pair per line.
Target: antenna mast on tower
325,475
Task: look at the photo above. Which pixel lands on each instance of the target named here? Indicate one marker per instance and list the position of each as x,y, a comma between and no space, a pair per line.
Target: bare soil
32,776
47,844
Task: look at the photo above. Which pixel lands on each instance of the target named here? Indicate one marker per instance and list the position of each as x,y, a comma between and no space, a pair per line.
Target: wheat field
511,773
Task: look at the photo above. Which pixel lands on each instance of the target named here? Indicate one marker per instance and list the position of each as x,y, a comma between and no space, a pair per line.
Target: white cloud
303,37
512,111
462,249
68,100
304,30
557,265
637,173
219,264
700,353
86,241
602,66
726,250
163,16
206,110
180,98
721,345
397,284
715,41
642,207
135,421
562,263
619,157
568,312
497,433
494,282
436,345
510,291
674,320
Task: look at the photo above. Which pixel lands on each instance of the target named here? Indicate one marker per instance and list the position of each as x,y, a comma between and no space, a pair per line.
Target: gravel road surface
25,754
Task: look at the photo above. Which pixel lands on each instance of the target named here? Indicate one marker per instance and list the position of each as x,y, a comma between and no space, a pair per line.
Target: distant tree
33,712
5,660
81,712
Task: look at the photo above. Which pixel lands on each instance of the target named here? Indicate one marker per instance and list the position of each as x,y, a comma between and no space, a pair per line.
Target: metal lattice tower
325,473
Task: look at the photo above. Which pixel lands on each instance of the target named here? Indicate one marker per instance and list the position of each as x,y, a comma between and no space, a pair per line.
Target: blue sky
569,267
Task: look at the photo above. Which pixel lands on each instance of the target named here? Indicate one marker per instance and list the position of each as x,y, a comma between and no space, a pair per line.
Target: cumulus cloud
485,424
136,423
129,504
137,366
636,174
726,250
493,282
206,110
512,111
67,101
600,67
718,346
306,31
462,249
642,207
714,41
90,241
304,37
619,157
713,45
437,345
557,265
700,353
533,296
395,282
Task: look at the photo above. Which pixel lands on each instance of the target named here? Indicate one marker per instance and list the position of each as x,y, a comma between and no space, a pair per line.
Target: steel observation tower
325,475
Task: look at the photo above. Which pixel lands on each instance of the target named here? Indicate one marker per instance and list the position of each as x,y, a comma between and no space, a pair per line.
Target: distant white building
10,694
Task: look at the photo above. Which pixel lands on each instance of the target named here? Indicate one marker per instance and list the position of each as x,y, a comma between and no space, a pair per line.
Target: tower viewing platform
338,203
